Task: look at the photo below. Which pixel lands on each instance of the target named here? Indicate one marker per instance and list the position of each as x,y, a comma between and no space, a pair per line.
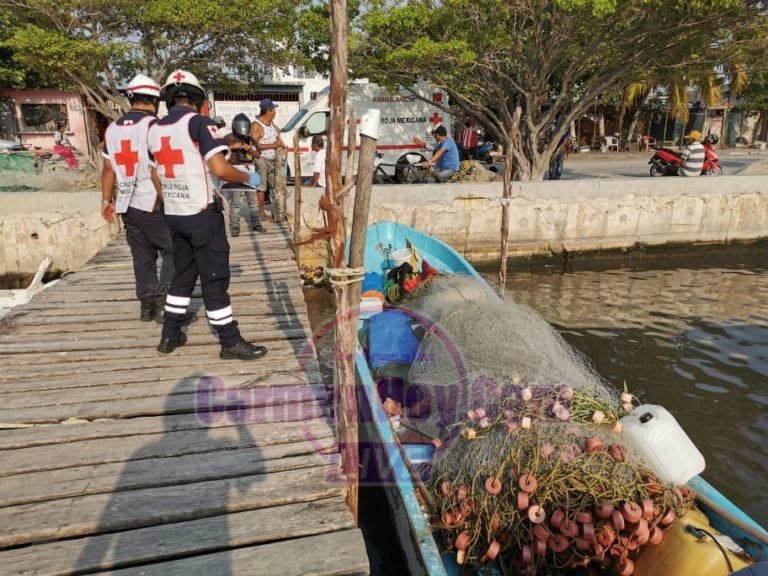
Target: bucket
402,256
658,439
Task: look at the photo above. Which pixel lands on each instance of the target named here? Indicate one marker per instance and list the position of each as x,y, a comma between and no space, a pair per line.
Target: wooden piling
279,210
296,197
346,325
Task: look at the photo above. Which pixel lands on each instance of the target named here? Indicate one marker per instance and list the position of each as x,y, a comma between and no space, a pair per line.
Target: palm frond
678,101
739,79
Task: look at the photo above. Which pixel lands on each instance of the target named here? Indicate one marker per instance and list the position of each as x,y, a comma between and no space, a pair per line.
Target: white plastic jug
654,434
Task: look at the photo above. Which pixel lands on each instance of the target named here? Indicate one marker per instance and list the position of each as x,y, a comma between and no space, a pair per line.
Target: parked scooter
666,162
483,152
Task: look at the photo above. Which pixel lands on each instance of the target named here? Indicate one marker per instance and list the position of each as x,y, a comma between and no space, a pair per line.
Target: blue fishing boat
396,462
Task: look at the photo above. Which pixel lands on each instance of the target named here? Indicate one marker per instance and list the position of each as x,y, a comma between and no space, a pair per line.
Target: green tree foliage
12,73
96,46
526,69
314,33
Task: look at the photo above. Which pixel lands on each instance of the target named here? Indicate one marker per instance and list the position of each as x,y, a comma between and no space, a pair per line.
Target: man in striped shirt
693,155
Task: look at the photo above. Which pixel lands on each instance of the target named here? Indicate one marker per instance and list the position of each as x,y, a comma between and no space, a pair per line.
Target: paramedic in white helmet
187,152
138,199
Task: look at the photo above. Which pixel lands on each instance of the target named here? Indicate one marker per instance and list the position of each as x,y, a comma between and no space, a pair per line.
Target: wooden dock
114,457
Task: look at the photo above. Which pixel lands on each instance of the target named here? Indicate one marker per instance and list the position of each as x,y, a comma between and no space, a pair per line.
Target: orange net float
374,294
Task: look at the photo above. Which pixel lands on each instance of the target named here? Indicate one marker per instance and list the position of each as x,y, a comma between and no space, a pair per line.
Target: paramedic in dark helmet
138,198
187,153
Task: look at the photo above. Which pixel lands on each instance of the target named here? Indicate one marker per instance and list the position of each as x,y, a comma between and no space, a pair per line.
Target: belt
210,206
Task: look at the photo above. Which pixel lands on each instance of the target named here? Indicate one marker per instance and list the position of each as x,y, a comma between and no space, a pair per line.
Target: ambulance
403,118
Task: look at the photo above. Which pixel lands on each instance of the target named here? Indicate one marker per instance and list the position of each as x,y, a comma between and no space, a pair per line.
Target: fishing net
531,470
478,350
547,498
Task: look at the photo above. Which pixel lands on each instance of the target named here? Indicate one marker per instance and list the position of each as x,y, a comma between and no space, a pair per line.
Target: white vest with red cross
126,145
187,184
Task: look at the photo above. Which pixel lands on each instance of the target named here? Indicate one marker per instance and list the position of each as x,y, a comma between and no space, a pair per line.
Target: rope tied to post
345,276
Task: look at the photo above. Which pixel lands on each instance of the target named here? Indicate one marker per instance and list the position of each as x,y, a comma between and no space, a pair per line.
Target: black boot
148,309
242,351
168,345
160,308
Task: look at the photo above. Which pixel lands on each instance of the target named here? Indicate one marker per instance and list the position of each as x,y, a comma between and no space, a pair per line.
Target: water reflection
690,336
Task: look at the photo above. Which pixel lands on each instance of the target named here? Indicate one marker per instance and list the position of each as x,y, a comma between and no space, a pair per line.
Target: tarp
17,162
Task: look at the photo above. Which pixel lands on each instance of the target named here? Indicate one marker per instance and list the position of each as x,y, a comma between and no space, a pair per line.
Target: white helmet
142,84
182,83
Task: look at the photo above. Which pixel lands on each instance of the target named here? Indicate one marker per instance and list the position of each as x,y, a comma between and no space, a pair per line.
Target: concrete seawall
66,226
572,215
546,217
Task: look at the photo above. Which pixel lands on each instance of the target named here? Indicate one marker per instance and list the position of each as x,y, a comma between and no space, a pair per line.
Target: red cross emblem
178,77
168,156
435,118
127,158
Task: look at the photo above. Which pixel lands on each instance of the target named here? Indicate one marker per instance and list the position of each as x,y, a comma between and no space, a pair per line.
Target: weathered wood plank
146,473
238,270
78,374
127,321
284,356
333,554
233,374
271,401
156,543
287,277
293,300
120,391
162,445
146,429
22,343
236,291
100,513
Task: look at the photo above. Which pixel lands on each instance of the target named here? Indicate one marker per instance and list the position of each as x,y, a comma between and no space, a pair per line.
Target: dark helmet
713,138
182,83
241,125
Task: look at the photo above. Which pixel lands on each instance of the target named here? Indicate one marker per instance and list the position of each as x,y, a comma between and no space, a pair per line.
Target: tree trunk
601,123
633,124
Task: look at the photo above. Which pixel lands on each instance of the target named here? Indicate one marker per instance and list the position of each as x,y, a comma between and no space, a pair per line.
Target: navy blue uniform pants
200,249
148,236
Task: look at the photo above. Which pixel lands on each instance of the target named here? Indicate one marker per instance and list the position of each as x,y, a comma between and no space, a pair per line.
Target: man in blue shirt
445,159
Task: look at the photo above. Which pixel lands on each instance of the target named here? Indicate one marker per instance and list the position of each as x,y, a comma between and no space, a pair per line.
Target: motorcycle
666,162
483,152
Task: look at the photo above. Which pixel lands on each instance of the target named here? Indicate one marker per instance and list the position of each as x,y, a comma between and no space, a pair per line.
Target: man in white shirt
318,164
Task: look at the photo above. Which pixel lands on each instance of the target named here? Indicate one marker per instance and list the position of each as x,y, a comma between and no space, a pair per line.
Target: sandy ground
61,180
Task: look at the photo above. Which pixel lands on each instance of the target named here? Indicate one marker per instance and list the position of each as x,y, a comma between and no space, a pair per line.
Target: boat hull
415,538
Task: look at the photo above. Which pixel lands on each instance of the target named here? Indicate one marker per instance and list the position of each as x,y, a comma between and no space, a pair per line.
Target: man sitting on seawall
445,158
